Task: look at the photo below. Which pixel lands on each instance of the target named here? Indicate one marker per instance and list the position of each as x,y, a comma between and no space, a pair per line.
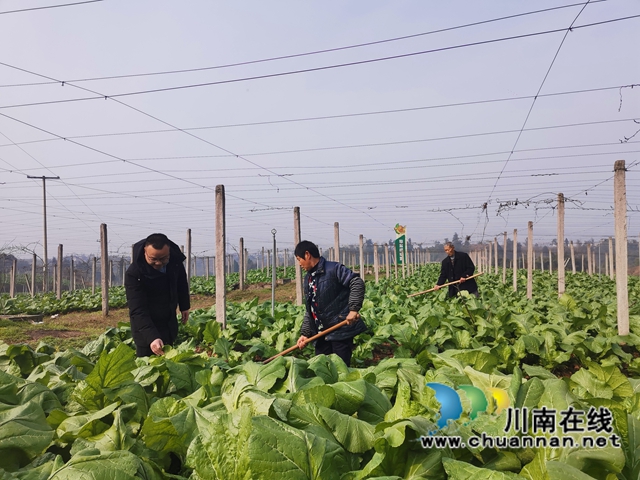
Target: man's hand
302,342
352,317
156,346
462,279
185,316
437,287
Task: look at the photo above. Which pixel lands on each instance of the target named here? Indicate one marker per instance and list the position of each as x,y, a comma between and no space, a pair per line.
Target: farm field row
210,409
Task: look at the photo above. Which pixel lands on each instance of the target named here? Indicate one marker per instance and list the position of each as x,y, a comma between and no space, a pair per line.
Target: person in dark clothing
156,284
333,293
457,266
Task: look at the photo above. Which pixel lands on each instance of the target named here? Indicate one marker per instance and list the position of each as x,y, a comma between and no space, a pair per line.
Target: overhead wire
189,134
305,70
338,116
46,7
50,171
546,75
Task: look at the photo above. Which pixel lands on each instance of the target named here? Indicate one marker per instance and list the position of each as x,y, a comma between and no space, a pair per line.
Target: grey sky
165,181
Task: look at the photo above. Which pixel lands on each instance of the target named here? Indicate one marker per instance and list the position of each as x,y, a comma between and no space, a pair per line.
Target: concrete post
104,265
515,260
94,269
221,253
241,262
561,274
296,240
59,273
33,276
621,266
376,267
530,260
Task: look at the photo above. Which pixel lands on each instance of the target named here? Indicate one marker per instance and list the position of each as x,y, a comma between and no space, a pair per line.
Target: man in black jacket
457,266
333,293
156,284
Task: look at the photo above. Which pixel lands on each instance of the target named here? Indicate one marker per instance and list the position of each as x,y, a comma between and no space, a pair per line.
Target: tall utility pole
45,280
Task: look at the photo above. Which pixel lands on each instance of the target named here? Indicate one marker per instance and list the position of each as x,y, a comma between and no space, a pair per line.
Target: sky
367,113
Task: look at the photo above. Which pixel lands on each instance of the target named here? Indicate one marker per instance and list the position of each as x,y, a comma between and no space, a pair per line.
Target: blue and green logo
451,406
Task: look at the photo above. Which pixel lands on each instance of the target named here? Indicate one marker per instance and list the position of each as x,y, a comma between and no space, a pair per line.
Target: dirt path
75,329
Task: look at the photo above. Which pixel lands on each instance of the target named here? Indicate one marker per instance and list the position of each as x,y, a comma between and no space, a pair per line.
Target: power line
315,52
400,142
187,133
50,6
306,70
321,167
121,159
346,115
546,75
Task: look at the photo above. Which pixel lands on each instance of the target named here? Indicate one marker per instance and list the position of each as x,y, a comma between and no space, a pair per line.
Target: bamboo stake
445,285
315,337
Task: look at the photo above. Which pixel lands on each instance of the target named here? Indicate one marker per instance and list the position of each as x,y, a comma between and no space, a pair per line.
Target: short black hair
306,246
157,240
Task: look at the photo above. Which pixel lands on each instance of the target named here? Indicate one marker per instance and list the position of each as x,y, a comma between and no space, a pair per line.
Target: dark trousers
342,348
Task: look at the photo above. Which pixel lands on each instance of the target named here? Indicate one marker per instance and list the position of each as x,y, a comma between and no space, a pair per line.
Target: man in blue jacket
333,293
156,285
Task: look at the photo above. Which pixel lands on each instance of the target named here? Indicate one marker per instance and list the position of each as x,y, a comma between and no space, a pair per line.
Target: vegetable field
209,409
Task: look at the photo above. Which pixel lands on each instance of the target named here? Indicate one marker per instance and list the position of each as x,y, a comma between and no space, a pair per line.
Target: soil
75,329
38,334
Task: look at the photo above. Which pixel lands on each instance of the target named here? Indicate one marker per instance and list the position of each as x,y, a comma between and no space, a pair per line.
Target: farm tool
315,337
445,285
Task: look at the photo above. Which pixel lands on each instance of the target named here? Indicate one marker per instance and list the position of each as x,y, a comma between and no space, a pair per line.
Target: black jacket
462,266
339,291
153,296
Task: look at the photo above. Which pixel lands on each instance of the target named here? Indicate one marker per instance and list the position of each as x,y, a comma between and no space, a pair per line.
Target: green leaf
170,427
530,393
219,451
264,377
355,435
24,434
86,425
212,332
321,395
112,370
465,471
286,452
92,464
534,371
349,396
564,471
375,405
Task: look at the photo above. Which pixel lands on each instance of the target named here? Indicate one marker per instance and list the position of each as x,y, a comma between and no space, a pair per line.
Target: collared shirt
313,290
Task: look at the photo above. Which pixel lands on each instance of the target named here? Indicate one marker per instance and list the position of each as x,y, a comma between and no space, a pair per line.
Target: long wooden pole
445,285
315,337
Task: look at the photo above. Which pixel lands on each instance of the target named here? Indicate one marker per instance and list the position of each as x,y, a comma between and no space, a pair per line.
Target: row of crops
210,409
84,300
